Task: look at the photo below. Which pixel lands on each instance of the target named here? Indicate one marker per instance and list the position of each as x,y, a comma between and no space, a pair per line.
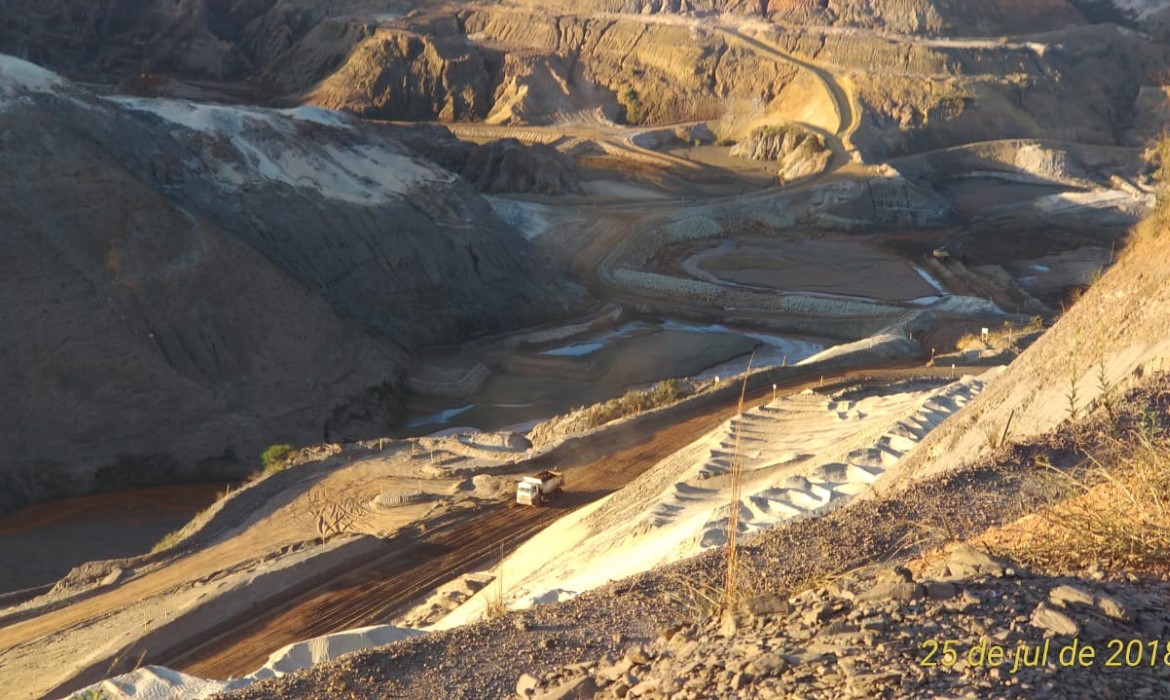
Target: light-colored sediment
800,457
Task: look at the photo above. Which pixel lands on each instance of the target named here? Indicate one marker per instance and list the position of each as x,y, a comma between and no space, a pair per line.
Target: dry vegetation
634,402
274,459
1113,514
1006,336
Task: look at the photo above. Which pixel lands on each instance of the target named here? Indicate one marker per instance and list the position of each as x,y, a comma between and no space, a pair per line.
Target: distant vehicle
537,490
941,253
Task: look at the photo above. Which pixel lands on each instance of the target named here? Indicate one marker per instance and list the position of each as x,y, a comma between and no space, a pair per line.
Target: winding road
844,102
410,565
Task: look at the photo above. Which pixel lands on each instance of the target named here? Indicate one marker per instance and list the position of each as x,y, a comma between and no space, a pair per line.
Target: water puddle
597,366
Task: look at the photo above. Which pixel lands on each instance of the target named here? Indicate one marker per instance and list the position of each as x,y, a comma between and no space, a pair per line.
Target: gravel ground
487,660
971,626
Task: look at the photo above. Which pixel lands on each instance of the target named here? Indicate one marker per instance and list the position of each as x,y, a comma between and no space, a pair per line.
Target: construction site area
801,286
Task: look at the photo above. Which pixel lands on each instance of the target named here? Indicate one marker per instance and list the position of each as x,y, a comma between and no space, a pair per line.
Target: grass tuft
276,457
1115,513
168,540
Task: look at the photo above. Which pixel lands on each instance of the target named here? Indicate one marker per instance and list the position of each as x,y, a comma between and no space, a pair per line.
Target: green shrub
633,402
276,457
629,98
666,391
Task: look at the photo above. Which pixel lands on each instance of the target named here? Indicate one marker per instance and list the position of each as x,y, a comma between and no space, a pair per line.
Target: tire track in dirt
374,593
411,567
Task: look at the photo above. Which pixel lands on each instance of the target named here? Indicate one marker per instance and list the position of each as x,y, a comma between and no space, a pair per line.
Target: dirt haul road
409,570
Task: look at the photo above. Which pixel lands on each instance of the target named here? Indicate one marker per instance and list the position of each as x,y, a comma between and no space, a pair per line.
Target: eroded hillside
201,281
1105,344
918,74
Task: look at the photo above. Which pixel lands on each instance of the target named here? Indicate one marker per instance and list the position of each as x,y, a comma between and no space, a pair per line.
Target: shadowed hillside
183,284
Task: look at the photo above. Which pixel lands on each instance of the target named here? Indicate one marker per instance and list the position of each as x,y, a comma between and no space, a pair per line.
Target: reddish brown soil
372,594
42,542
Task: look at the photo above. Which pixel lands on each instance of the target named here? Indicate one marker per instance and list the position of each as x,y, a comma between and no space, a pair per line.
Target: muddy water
602,365
42,542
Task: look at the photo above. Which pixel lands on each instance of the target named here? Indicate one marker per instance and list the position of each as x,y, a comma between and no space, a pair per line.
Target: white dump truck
537,490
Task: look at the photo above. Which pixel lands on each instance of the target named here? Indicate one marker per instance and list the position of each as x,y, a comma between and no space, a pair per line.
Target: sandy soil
410,568
392,582
760,172
423,544
320,500
486,659
316,504
35,654
801,456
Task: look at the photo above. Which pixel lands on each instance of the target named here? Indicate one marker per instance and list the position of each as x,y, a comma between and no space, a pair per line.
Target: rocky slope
496,167
796,151
277,40
968,626
184,284
645,61
1108,341
279,43
414,76
509,166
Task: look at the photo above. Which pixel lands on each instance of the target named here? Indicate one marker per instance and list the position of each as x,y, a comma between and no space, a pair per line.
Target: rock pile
797,151
510,166
970,625
497,167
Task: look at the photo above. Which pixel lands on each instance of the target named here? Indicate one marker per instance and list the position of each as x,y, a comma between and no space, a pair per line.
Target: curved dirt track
848,118
411,568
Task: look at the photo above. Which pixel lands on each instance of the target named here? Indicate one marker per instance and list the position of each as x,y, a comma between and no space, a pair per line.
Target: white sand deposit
369,173
1101,199
528,218
17,75
801,456
327,647
160,683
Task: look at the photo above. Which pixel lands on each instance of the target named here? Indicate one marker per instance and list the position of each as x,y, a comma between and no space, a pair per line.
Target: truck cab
537,490
528,493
